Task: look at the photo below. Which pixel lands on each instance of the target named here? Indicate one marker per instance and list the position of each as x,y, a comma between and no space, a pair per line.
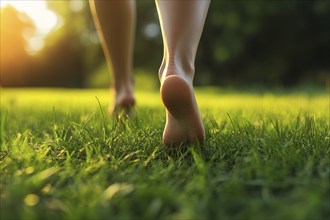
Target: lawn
267,156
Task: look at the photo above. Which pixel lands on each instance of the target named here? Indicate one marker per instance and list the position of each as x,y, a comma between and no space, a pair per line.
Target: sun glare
43,18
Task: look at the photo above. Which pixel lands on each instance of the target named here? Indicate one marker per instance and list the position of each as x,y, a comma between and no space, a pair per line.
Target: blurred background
244,43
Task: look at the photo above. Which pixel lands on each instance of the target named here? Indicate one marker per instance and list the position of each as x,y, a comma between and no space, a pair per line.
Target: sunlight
43,18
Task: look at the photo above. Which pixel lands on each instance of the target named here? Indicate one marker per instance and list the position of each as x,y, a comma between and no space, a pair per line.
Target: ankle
186,72
124,87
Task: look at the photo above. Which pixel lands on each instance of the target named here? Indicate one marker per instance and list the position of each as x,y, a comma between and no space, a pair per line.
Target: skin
182,24
115,21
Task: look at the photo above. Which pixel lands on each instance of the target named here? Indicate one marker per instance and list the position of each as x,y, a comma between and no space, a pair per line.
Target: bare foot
124,104
183,120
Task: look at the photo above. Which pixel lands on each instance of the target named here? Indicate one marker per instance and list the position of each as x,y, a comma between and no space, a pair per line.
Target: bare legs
115,21
182,25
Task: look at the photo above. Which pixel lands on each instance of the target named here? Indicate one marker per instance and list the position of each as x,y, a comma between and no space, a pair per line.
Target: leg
115,21
182,24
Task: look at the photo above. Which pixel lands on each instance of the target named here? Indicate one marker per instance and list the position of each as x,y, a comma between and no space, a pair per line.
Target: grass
266,157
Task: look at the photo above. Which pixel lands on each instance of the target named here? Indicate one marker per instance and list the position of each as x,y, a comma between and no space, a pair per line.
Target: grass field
267,156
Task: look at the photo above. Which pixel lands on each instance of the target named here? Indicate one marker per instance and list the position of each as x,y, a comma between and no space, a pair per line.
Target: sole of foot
183,121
